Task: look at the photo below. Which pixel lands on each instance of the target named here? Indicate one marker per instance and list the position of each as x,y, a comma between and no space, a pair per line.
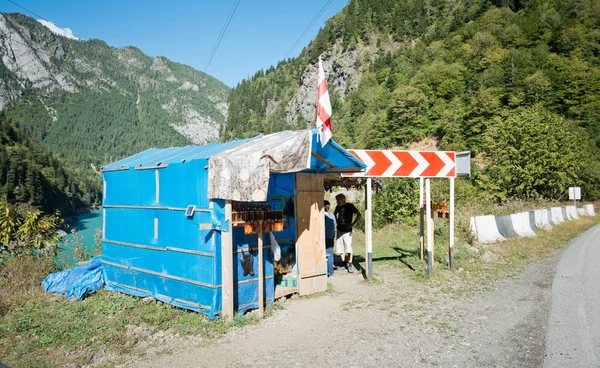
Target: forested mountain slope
515,82
31,174
89,102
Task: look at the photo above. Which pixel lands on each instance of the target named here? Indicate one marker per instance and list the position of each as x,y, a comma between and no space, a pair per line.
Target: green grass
39,333
330,289
397,247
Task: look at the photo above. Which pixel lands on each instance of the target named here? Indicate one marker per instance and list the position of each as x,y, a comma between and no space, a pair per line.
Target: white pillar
429,230
261,279
421,225
369,228
420,192
451,209
227,267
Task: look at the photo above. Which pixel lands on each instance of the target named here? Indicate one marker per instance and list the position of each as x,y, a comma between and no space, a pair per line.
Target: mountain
517,82
89,102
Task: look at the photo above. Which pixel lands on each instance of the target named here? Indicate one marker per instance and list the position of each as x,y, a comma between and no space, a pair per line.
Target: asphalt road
573,333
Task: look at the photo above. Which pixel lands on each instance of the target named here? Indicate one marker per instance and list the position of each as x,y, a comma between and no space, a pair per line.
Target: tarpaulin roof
166,156
239,170
332,158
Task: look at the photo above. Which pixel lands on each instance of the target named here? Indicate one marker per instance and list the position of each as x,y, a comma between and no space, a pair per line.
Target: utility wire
40,17
27,10
221,34
312,23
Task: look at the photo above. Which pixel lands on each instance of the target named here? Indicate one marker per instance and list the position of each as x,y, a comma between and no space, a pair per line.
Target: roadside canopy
241,173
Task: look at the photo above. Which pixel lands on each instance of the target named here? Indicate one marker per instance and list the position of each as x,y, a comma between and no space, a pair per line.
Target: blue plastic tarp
76,282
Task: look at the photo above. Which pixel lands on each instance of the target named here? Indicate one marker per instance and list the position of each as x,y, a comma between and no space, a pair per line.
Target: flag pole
317,104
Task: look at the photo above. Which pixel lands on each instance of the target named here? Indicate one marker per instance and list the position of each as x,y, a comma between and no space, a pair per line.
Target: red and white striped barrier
408,164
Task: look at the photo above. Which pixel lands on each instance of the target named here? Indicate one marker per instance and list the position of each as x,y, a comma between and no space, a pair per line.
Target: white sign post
575,194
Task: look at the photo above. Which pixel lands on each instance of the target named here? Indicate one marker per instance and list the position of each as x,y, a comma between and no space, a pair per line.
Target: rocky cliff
344,69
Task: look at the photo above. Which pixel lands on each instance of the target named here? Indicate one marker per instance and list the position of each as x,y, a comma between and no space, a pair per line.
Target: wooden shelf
281,291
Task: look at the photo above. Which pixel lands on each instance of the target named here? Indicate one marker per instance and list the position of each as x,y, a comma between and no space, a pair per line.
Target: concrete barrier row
496,228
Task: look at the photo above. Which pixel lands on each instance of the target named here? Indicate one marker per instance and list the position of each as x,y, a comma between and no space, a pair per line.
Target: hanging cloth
247,263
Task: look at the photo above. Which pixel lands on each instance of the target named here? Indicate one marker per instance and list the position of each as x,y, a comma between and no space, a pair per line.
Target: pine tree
30,181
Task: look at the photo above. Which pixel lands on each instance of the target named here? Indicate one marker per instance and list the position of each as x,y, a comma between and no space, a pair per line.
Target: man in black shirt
344,214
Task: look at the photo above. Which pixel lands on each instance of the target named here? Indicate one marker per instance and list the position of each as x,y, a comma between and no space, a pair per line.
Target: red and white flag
323,109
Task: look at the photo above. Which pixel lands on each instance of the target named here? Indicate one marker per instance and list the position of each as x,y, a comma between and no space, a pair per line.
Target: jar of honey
266,226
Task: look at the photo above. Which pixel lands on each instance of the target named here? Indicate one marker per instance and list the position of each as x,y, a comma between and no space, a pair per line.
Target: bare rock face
198,128
59,52
343,70
129,57
188,85
220,104
159,64
7,94
29,62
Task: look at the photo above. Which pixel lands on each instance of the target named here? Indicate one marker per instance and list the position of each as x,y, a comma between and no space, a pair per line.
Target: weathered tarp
76,282
242,172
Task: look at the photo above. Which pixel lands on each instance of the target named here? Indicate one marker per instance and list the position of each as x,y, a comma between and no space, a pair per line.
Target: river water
86,226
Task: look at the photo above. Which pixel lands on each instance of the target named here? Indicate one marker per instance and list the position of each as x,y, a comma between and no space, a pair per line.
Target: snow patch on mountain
65,32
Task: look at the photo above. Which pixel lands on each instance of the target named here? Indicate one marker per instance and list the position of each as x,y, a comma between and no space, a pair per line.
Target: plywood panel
311,234
227,268
304,182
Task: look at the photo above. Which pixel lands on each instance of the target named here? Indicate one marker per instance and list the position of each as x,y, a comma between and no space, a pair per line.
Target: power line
221,34
312,23
40,17
27,10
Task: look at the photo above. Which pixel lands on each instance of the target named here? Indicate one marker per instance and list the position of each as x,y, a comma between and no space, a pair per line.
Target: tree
406,118
395,202
534,153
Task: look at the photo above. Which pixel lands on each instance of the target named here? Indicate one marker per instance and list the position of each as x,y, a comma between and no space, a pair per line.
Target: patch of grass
509,258
46,327
20,279
397,246
354,304
240,320
412,307
330,289
373,281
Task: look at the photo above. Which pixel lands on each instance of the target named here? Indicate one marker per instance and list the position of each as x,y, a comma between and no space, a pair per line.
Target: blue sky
260,34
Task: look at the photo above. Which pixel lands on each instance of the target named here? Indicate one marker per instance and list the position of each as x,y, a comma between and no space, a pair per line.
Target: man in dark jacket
329,237
346,219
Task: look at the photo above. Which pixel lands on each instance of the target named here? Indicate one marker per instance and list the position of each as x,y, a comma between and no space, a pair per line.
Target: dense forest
29,173
516,82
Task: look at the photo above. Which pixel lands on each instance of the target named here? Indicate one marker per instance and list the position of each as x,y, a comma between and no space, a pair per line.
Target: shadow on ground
402,257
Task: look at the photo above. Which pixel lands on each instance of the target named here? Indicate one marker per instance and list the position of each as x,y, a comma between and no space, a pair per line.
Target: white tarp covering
241,173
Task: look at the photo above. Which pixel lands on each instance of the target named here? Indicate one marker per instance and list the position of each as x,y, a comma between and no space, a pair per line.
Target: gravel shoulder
398,322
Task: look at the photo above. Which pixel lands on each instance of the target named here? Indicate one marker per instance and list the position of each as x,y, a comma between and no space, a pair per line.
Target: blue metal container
151,248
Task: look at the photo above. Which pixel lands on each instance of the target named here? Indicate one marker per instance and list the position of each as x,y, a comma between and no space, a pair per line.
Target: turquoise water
86,226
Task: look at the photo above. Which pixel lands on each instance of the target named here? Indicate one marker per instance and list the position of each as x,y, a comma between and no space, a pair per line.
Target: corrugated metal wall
150,248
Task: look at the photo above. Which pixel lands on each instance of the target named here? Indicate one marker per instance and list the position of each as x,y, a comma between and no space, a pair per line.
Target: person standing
344,214
330,225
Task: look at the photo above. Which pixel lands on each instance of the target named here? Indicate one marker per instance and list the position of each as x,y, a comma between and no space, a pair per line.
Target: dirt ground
398,322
